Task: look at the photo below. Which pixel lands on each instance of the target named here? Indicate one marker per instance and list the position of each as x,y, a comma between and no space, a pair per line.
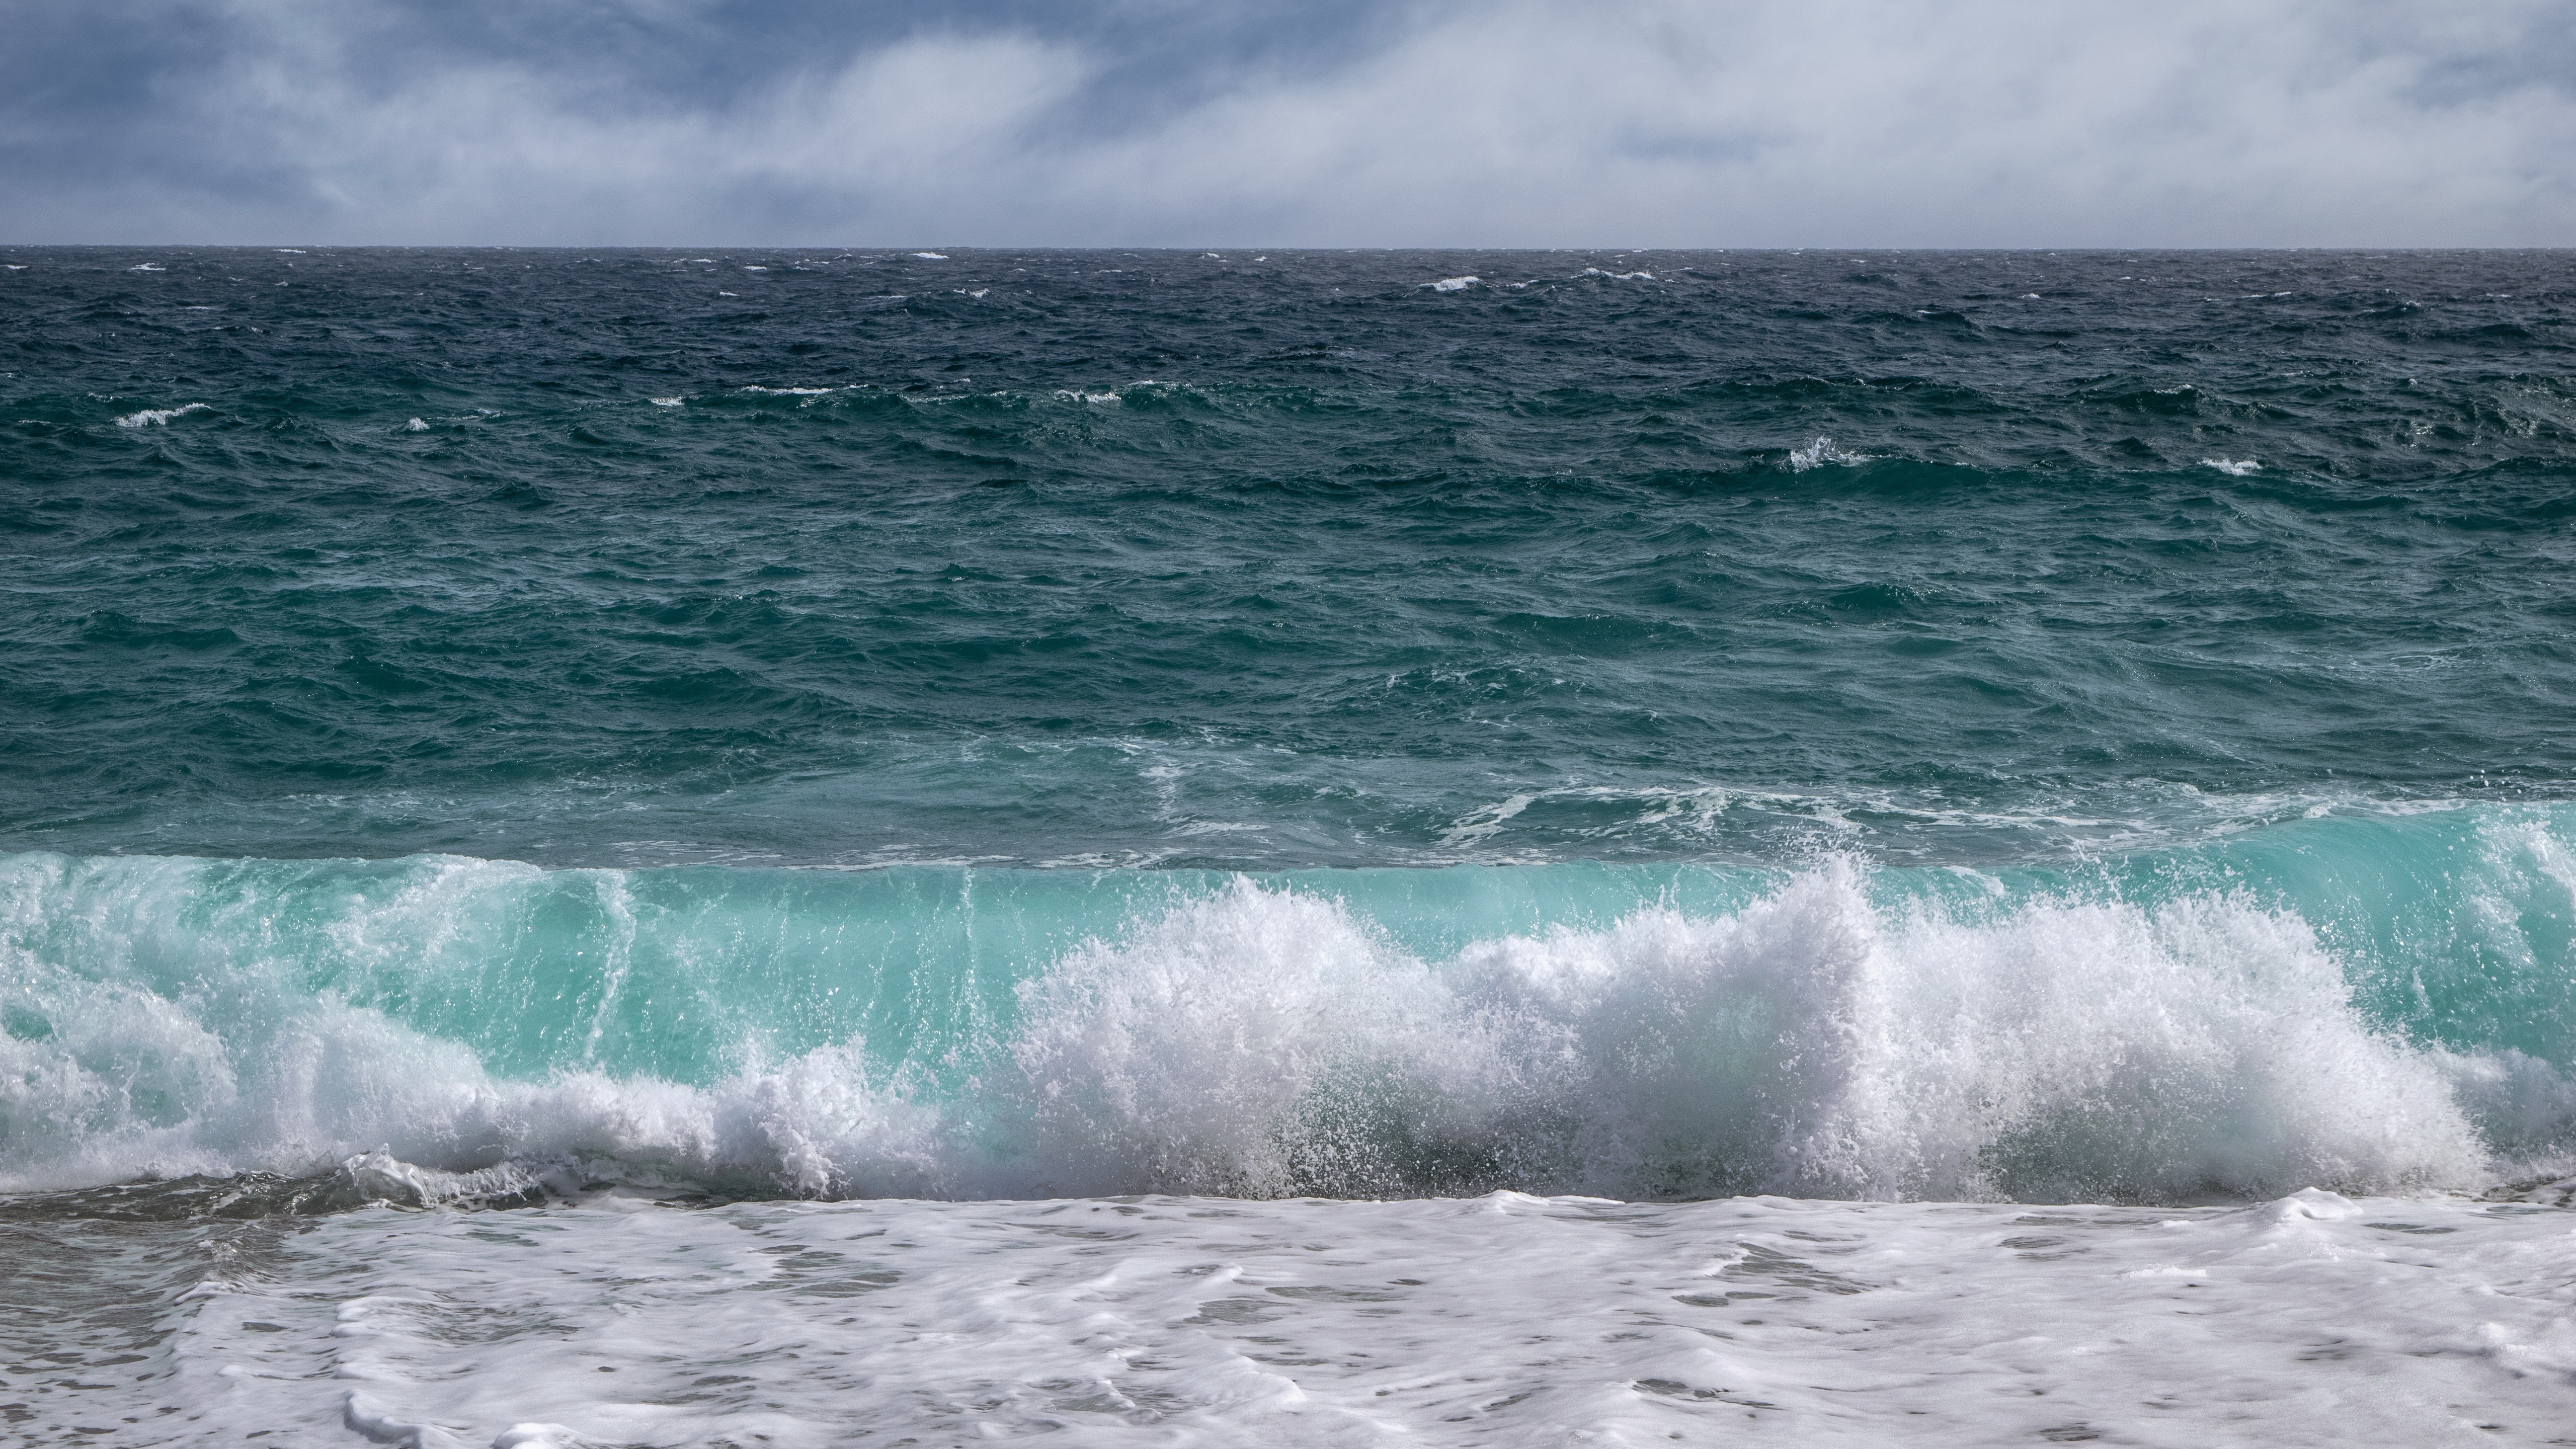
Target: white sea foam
1452,284
788,391
978,293
147,267
666,402
1111,395
2312,1320
1259,1042
1619,276
415,426
932,256
1820,452
160,417
2233,467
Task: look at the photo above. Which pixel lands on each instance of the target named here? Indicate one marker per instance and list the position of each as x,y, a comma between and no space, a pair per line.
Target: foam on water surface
2311,1320
160,417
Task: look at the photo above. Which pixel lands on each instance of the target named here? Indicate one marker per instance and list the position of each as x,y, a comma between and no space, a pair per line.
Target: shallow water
1508,1319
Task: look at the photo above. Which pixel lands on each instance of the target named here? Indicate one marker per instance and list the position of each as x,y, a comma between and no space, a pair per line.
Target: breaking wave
1831,1031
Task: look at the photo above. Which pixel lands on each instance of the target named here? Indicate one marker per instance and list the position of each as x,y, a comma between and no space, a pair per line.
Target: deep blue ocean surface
1005,723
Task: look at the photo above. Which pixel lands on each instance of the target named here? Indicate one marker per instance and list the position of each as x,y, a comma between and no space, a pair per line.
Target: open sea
734,849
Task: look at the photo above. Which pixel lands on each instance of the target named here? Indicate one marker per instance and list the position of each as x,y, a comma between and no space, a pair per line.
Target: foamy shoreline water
2312,1319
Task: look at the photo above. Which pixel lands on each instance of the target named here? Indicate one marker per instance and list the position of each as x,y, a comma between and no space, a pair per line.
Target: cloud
1507,123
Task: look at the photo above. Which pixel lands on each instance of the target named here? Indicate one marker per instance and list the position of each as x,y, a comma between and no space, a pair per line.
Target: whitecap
147,267
415,426
160,417
932,256
664,402
1820,452
1452,284
2233,467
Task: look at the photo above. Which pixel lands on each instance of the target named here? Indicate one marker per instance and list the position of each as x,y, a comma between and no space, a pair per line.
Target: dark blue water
504,630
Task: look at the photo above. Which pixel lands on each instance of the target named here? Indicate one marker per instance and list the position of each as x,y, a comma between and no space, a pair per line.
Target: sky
1336,123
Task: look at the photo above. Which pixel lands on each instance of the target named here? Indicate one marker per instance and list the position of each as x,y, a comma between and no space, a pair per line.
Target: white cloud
1667,123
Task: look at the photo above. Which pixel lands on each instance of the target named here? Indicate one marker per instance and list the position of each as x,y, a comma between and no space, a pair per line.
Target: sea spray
1837,1030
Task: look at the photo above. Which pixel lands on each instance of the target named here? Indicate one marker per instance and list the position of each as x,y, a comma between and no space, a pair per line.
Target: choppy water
1165,559
994,726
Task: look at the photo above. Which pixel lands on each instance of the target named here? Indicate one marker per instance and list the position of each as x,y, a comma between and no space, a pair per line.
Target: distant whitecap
160,417
1820,452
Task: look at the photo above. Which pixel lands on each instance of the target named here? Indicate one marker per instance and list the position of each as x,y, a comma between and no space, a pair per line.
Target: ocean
1323,848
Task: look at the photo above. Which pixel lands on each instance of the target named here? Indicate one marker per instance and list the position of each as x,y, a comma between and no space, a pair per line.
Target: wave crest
1266,1041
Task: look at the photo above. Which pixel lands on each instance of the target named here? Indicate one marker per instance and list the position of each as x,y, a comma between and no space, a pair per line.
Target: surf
2372,1004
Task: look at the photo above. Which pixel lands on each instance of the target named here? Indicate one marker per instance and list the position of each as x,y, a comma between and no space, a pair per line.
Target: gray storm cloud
1665,123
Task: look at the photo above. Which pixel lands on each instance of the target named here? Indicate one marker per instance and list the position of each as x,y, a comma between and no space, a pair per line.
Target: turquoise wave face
2373,999
1028,559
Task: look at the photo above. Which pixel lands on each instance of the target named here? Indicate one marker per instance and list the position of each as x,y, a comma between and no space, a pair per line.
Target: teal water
2455,925
1656,724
